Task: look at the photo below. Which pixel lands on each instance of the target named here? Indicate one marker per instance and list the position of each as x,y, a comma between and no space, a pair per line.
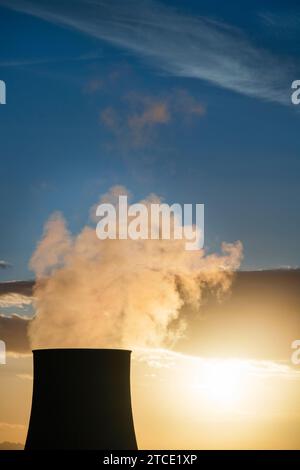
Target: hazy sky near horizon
190,101
185,402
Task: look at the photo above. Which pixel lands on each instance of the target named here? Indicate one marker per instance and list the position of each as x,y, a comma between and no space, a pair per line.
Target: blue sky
189,100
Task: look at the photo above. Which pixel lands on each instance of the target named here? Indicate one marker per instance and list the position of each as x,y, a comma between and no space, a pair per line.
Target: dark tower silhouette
81,400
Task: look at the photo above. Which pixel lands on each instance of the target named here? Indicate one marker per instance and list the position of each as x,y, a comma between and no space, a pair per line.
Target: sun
216,384
222,381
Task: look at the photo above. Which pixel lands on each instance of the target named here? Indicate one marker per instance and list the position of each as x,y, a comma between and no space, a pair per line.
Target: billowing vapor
119,293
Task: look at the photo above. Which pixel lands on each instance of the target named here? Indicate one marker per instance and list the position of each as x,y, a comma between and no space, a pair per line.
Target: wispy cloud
19,287
50,60
176,43
14,300
13,327
16,294
287,21
25,376
93,85
4,264
167,359
12,425
134,125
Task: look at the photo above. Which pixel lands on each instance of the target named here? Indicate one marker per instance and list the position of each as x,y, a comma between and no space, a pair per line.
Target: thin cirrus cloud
47,61
176,43
287,22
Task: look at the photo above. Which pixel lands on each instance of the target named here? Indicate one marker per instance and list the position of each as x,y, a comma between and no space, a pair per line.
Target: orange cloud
93,85
135,124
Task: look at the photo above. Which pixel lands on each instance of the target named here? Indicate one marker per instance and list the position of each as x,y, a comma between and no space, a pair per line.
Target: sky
189,101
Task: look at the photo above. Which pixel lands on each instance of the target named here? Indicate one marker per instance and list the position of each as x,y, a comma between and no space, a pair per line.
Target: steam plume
119,293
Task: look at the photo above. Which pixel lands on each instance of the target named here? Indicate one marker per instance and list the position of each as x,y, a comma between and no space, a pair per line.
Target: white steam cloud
119,293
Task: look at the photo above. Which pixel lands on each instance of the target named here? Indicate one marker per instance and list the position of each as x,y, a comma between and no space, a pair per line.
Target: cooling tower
81,400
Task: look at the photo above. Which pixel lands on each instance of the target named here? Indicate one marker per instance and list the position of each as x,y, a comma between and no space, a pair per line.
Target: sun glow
218,384
208,388
223,382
